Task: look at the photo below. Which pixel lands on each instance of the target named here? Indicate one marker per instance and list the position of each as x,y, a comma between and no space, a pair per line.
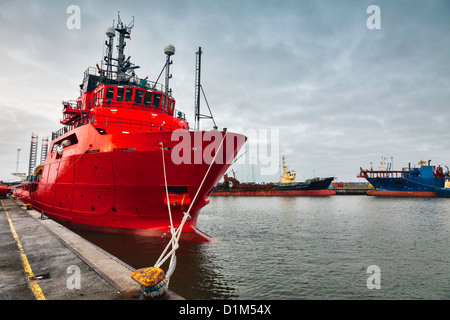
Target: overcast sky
341,95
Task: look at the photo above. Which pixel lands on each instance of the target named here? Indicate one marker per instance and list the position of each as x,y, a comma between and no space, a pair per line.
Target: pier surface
40,259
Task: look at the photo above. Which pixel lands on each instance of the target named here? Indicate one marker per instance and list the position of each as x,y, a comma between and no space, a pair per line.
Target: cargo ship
424,181
125,161
286,186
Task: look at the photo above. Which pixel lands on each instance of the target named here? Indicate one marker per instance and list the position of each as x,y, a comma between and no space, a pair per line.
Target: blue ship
424,181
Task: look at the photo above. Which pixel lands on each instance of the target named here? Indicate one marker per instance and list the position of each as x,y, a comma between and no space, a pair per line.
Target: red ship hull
4,191
290,193
115,183
385,193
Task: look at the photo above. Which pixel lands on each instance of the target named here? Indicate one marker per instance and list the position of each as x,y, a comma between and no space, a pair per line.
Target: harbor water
289,248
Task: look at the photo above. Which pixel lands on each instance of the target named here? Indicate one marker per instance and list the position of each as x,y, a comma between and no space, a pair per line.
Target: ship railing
91,71
382,174
149,85
107,122
152,85
58,133
103,102
135,81
127,125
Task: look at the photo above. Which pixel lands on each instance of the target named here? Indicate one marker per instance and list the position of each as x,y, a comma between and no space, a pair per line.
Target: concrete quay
42,260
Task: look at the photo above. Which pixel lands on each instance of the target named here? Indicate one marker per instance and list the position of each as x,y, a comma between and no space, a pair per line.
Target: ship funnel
110,32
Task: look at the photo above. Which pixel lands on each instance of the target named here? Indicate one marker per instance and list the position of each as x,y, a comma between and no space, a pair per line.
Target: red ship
4,189
125,157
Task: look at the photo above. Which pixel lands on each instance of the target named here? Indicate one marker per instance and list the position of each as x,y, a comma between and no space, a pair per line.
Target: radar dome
169,49
110,32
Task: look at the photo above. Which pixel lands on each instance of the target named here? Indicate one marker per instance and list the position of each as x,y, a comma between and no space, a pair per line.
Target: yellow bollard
148,277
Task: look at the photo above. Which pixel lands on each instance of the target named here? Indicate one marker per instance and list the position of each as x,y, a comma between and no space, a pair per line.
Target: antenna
111,33
198,64
169,50
121,64
124,32
198,88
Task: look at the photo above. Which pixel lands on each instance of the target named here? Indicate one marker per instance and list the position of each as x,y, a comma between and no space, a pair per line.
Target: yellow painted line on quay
33,284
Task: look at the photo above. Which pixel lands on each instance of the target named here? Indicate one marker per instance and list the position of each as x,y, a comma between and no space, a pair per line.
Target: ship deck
52,255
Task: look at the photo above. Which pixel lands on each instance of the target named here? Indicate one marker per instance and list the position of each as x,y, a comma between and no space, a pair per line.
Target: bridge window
156,100
163,102
138,96
128,94
171,105
120,94
109,92
147,98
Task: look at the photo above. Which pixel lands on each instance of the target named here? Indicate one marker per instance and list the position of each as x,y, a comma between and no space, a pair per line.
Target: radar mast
121,64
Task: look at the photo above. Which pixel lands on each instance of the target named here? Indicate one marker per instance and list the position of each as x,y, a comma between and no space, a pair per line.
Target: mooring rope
166,187
176,235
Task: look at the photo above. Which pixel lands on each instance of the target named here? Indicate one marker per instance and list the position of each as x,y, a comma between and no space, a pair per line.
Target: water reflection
197,275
